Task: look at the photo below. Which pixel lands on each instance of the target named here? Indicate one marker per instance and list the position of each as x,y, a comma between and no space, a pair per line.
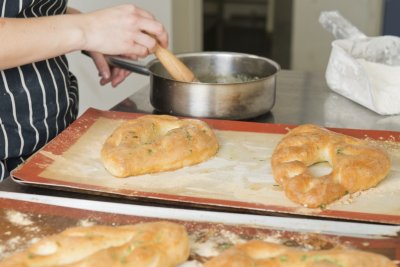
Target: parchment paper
239,172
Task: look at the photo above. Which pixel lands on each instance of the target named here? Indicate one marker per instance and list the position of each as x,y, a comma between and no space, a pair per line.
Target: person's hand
106,72
123,30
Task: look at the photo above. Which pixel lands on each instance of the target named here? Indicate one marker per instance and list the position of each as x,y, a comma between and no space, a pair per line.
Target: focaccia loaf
152,244
156,143
265,254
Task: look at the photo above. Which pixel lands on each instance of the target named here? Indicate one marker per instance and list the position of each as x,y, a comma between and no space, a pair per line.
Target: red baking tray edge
29,173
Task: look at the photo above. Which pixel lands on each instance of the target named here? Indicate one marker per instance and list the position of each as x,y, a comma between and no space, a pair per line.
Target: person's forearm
120,30
34,39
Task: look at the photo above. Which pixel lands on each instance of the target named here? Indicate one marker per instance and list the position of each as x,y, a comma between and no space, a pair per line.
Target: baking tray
26,218
238,178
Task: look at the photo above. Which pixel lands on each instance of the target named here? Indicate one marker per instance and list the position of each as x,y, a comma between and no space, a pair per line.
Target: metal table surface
301,97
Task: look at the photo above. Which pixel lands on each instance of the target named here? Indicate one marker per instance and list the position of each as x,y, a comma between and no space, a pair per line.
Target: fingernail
105,75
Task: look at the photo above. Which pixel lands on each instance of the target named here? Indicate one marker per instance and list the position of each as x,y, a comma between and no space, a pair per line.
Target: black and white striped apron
38,100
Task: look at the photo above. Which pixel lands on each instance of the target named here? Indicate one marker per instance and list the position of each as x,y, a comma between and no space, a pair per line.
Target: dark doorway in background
391,18
259,27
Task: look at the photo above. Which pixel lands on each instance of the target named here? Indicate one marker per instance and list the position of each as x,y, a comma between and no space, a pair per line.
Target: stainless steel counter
301,97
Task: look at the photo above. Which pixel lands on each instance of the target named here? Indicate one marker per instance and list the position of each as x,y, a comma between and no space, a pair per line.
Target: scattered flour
18,218
85,223
193,263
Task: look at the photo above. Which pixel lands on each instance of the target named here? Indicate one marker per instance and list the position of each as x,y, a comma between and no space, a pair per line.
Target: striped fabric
38,100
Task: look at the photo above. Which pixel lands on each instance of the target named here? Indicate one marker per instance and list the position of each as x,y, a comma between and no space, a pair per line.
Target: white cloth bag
363,69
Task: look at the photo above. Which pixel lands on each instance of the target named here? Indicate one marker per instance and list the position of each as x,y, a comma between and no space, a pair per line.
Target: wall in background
187,25
286,31
311,44
299,42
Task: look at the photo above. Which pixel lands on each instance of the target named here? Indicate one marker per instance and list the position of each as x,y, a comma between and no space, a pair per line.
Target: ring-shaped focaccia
356,165
156,143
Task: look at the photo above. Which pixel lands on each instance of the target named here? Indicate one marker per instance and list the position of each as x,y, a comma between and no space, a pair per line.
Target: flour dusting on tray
240,172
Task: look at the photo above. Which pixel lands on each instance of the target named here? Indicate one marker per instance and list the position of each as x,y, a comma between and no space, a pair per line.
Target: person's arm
120,30
107,73
29,40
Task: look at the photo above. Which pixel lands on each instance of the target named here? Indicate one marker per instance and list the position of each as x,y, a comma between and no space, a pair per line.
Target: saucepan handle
126,64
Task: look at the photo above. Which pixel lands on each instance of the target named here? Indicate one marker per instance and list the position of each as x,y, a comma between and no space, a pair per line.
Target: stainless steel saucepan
232,85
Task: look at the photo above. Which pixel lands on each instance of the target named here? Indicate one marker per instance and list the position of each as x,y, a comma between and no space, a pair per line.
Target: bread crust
265,254
145,244
356,165
156,143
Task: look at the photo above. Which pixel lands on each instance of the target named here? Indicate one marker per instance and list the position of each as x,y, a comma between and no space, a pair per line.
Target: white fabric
353,74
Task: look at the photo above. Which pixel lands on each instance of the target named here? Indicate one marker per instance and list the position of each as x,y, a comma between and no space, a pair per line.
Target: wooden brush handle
174,66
